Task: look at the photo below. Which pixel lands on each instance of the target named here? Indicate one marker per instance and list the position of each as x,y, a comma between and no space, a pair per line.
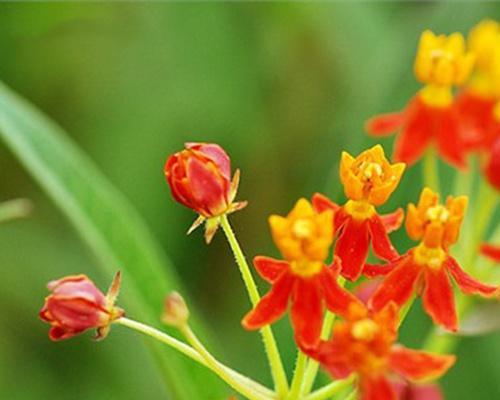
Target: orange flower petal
438,298
393,221
272,306
269,268
491,251
467,283
381,244
418,365
385,124
338,300
352,247
376,388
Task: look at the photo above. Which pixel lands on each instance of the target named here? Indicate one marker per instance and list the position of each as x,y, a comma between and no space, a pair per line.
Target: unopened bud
175,312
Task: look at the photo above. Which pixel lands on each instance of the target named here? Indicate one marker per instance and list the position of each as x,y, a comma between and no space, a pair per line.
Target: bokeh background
282,87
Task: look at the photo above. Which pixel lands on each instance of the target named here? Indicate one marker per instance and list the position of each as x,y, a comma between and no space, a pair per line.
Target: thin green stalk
430,170
353,395
277,370
331,389
250,389
224,372
298,376
13,209
313,365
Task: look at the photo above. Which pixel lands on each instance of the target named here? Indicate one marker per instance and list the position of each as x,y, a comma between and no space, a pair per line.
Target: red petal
307,312
492,169
491,251
322,203
352,247
385,124
332,358
393,221
417,365
272,306
269,268
467,283
58,333
438,298
216,154
376,388
399,284
337,298
76,314
373,270
416,135
207,186
381,244
449,141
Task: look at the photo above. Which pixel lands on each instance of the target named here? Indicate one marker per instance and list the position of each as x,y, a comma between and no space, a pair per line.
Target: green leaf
108,224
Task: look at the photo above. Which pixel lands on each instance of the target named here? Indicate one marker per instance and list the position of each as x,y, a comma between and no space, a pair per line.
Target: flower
200,178
304,238
492,168
491,251
441,62
365,344
76,305
427,266
369,180
175,310
476,102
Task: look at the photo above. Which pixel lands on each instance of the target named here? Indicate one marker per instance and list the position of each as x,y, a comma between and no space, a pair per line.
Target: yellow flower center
303,228
438,213
360,210
432,257
436,96
306,268
364,330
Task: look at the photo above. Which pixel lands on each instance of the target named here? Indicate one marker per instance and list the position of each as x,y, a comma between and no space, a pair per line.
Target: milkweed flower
441,63
365,344
76,305
304,238
476,102
427,267
200,178
369,180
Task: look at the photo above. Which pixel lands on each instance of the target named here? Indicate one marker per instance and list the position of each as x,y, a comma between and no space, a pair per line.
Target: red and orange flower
476,103
200,178
364,344
427,266
304,238
368,180
441,63
76,305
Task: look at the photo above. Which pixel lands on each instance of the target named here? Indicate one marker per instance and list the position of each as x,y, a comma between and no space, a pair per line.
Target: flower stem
233,378
298,376
13,209
430,170
277,370
313,365
331,389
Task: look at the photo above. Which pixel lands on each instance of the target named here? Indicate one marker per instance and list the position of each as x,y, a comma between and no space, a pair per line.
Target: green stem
277,370
224,372
250,389
331,389
353,395
298,376
13,209
313,365
430,170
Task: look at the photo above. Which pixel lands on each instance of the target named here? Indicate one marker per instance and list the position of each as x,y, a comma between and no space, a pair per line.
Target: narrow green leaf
108,224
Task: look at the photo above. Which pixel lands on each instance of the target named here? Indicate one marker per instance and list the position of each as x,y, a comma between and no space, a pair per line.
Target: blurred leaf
484,319
109,225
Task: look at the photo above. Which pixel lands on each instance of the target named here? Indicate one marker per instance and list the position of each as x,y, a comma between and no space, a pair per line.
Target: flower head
443,60
76,305
365,344
304,237
303,280
437,225
200,178
369,176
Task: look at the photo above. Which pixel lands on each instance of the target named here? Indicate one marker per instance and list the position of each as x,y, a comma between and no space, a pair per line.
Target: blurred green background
282,87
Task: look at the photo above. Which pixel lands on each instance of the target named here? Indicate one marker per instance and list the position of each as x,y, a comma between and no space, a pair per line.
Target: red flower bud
492,170
76,305
200,178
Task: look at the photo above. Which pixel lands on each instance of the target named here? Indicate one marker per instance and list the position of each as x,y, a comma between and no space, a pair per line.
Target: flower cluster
324,245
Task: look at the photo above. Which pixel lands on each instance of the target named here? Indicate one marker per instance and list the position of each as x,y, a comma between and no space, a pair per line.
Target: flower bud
175,312
200,178
76,305
492,170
